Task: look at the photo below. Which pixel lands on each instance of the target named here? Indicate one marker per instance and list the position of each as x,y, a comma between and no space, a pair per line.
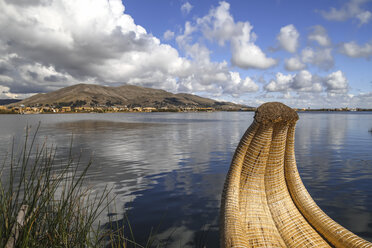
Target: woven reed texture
264,202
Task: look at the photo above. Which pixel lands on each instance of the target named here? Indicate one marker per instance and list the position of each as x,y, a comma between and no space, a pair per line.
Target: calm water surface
168,169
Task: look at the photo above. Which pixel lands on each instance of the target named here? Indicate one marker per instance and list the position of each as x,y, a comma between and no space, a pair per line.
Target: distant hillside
129,95
8,101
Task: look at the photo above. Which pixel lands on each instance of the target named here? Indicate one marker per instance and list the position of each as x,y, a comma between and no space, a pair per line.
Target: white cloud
205,75
336,82
215,78
44,47
318,99
23,76
5,93
319,34
364,17
288,38
219,25
244,86
321,57
352,49
247,55
304,81
5,79
248,85
186,8
102,43
361,100
349,10
168,35
280,84
294,64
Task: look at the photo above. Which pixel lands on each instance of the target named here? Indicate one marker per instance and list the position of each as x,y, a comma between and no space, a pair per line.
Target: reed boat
264,202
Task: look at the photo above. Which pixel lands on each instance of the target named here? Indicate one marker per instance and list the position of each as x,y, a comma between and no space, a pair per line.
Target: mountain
8,101
129,95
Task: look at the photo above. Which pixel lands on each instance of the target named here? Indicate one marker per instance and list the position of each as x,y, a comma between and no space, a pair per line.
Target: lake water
168,169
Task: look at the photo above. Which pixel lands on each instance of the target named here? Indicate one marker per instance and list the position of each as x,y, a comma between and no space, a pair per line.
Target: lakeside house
149,109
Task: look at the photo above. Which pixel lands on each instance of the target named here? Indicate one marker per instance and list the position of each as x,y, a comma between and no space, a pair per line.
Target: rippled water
168,169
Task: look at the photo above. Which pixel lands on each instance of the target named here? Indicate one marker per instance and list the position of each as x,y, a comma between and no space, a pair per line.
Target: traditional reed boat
264,202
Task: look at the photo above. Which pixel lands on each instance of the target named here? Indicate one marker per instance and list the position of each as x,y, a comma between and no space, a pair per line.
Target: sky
313,54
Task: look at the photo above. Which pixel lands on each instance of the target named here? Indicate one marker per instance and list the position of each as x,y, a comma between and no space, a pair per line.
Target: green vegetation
43,205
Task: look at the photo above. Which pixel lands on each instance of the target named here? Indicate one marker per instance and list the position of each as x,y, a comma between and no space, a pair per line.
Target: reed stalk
45,205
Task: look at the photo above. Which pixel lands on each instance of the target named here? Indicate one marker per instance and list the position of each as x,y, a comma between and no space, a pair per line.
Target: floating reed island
264,202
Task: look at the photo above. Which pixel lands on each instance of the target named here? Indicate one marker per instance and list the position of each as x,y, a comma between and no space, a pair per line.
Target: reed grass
45,202
47,205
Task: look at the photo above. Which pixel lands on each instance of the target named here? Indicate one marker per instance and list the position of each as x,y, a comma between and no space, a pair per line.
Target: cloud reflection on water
333,155
169,169
188,161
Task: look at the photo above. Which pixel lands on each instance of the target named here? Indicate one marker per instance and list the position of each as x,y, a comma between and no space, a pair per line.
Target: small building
89,109
79,109
137,109
46,109
65,109
206,109
149,109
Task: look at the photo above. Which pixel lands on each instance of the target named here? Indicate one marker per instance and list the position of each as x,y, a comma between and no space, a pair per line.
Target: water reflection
333,154
168,169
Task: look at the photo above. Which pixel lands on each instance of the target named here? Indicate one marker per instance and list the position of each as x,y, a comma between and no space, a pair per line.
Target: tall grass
45,202
47,205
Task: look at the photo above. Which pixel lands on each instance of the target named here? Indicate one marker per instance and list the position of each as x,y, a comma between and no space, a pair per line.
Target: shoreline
173,111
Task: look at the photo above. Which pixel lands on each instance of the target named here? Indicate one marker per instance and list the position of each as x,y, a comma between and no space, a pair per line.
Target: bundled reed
264,202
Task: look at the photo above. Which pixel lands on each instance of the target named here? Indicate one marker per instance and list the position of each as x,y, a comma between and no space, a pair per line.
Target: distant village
22,109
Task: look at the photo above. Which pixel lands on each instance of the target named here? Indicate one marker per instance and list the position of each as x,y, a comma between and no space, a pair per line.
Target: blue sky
303,53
